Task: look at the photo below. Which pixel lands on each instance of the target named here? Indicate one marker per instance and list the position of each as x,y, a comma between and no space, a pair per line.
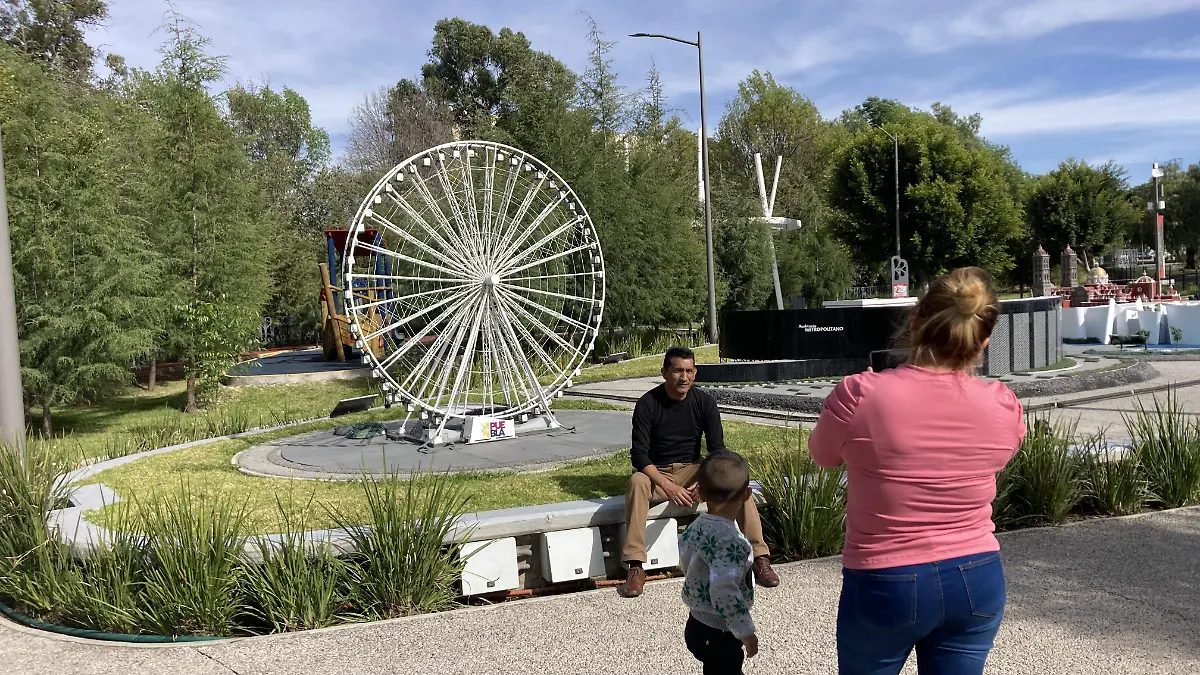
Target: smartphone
888,358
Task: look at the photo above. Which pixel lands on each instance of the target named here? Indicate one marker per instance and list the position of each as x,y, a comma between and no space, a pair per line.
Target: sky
1097,80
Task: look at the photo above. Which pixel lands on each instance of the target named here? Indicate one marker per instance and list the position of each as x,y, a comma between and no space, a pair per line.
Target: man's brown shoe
763,574
635,581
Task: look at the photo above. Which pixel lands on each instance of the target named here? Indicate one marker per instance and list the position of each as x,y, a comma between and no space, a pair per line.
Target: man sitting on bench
668,421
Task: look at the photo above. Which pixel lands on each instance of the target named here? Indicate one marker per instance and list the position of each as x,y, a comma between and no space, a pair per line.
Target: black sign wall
839,341
841,333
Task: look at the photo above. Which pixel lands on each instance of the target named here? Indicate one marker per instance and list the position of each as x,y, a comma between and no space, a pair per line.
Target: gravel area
1106,596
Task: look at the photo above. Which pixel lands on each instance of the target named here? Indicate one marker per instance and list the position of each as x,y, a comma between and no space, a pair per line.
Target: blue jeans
949,611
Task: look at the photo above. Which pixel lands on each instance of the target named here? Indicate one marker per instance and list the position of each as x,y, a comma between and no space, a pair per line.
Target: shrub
1043,482
1114,480
193,546
296,585
805,511
29,490
1166,445
401,566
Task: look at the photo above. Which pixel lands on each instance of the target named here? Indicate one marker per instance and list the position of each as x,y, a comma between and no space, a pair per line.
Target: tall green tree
667,281
83,277
958,205
741,252
1082,206
52,31
599,92
777,121
287,151
211,210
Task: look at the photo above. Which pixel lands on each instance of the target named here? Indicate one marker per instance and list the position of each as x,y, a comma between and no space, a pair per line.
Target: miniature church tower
1070,269
1041,274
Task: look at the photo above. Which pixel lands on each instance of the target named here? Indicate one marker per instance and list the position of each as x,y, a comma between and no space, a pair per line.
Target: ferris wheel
474,284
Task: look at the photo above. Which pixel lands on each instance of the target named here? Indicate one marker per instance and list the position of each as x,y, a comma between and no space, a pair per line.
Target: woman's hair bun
954,318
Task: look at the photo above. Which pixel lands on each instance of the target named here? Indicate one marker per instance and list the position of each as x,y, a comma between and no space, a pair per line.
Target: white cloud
1189,52
1018,113
1001,20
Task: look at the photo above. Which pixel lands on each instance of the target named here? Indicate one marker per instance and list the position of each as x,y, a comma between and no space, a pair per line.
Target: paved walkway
1115,596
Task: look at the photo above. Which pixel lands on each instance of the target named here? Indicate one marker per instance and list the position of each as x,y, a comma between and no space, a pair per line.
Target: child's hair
724,477
953,319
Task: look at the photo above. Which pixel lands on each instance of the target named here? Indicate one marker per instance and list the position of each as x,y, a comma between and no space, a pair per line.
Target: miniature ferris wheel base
475,429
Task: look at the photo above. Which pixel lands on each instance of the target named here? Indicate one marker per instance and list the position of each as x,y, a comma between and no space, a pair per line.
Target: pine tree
83,279
287,151
599,92
211,212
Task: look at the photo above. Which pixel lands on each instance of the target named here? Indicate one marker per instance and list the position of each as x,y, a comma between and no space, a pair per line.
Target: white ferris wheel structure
474,285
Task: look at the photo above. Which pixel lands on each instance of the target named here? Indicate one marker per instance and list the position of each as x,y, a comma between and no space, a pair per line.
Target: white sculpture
768,206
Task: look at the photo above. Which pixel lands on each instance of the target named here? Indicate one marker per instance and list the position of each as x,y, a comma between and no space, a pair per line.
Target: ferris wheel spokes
485,288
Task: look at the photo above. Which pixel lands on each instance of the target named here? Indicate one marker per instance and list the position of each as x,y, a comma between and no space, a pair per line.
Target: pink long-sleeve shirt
922,449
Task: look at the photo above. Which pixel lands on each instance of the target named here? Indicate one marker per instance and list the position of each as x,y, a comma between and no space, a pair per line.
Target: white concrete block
568,555
491,566
662,543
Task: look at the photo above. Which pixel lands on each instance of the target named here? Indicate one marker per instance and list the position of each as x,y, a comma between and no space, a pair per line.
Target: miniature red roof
339,238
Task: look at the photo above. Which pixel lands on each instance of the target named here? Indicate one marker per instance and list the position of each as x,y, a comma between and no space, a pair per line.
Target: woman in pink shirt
922,444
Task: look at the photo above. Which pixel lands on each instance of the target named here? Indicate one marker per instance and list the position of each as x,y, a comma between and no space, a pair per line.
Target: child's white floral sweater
718,589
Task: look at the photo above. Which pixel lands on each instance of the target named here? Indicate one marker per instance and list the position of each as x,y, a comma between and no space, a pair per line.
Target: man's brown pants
641,492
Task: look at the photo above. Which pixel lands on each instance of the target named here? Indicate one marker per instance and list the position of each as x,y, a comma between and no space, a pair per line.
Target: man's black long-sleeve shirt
666,431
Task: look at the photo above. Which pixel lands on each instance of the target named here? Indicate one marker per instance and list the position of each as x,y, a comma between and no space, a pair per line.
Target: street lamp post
708,232
896,171
899,266
12,411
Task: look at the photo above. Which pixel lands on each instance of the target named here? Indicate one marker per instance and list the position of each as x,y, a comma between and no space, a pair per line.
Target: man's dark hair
678,352
724,477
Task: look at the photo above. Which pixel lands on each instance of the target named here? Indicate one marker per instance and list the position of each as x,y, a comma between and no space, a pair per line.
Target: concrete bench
519,521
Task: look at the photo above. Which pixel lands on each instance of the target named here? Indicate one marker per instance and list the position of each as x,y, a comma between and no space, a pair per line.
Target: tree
778,121
599,93
470,68
741,252
52,31
813,264
1079,205
210,211
773,120
393,124
82,281
958,205
287,151
1181,218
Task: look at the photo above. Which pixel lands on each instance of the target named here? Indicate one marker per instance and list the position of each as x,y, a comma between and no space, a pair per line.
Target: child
717,559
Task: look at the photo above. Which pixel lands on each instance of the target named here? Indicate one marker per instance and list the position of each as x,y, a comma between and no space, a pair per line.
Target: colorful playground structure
337,342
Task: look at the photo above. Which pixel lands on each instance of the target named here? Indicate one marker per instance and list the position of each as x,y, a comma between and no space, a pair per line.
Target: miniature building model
1070,269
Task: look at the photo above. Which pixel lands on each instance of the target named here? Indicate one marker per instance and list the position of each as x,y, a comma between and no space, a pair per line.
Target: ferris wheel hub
491,280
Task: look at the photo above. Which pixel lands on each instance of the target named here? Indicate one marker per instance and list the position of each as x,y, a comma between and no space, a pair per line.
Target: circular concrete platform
325,455
304,365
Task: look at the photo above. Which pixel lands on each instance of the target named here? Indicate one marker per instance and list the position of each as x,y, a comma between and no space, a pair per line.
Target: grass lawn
1067,362
206,470
643,366
141,420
